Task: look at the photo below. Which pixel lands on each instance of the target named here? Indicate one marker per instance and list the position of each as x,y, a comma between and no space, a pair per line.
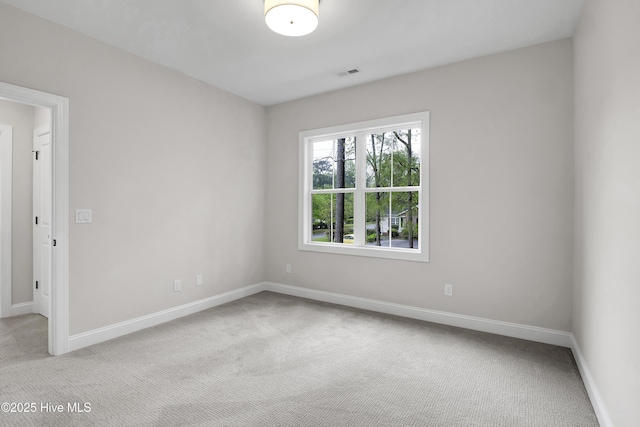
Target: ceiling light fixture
292,17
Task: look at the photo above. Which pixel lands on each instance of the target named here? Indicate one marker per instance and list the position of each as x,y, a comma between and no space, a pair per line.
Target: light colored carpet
275,360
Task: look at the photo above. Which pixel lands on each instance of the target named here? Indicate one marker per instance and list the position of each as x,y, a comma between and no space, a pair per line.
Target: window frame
359,130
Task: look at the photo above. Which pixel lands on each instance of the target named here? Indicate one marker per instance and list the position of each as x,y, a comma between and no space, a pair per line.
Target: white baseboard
515,330
106,333
22,308
592,390
532,333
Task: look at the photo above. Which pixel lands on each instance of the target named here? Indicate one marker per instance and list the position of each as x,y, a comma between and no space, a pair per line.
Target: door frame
59,310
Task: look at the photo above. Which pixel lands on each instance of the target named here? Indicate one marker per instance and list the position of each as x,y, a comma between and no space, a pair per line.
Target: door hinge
36,284
36,220
54,242
36,152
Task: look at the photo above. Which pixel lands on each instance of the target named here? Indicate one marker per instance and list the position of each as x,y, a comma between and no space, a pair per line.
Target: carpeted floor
275,360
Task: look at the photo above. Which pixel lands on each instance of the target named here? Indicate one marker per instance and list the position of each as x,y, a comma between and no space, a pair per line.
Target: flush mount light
291,17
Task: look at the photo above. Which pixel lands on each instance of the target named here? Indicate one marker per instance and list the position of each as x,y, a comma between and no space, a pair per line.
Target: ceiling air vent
349,72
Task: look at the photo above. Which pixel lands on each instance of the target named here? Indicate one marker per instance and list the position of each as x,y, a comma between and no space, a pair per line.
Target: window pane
404,208
345,163
332,218
323,165
406,158
377,221
334,164
392,219
379,149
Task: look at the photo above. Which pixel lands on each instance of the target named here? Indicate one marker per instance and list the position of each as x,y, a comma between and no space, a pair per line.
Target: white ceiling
227,44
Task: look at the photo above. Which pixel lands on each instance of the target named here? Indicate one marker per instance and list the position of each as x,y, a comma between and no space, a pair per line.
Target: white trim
6,179
21,308
59,315
592,390
96,336
515,330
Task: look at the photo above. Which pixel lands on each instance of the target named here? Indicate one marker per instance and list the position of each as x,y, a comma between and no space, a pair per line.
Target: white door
42,188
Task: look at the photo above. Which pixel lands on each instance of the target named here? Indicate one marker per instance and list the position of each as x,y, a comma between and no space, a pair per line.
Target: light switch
83,216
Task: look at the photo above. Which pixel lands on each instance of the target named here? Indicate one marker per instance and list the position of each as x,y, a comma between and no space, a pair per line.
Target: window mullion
391,189
359,220
333,191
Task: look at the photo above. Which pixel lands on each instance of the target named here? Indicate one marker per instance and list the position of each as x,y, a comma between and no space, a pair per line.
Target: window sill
419,255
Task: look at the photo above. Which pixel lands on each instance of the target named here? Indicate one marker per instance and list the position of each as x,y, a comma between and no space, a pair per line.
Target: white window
364,188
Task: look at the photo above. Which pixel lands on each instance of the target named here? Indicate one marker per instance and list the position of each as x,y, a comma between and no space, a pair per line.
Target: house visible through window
364,188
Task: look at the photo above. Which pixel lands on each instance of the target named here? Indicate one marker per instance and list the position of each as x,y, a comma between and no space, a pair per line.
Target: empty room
320,213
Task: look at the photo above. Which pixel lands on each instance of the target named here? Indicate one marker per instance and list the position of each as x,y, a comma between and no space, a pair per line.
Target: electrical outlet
448,290
199,280
177,285
288,268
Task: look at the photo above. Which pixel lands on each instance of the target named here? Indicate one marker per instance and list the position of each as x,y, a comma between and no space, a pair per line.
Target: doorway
58,193
19,210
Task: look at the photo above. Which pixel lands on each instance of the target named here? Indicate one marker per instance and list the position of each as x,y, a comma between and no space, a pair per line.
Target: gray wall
607,204
172,168
501,188
160,158
21,117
